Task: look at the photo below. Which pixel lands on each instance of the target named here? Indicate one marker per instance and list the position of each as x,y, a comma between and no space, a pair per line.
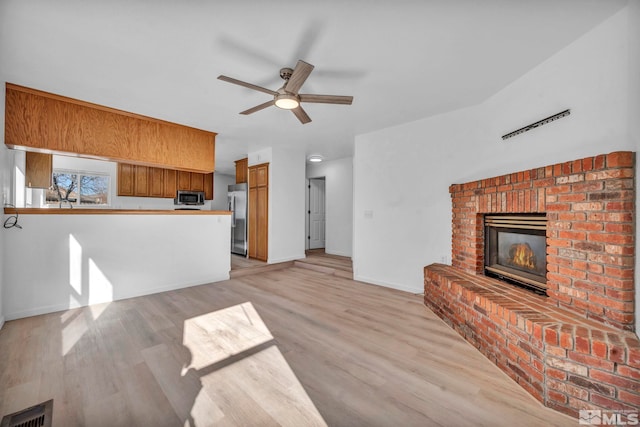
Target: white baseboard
1,321
35,311
397,286
338,253
286,259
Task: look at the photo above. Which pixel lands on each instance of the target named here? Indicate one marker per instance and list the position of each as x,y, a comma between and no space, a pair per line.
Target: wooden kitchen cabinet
252,231
208,186
38,170
184,180
259,212
169,185
36,120
125,179
156,181
144,181
242,170
262,226
262,177
141,181
197,182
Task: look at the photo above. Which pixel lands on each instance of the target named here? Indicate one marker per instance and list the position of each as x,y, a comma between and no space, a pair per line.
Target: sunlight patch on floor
215,336
240,368
73,330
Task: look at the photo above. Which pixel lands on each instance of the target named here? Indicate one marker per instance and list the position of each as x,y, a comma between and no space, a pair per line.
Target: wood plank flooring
318,260
240,262
292,347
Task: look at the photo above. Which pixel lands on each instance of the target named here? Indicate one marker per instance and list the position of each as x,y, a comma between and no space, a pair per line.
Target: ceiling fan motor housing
285,73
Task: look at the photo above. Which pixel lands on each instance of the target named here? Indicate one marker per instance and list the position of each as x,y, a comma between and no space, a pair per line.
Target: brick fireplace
573,348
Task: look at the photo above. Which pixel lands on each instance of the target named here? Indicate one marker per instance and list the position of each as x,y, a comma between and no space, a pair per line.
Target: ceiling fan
287,97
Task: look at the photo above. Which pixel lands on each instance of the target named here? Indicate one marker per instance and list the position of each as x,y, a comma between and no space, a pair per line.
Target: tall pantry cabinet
259,211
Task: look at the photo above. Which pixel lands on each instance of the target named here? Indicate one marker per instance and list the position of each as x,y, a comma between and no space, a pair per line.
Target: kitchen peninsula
61,258
66,258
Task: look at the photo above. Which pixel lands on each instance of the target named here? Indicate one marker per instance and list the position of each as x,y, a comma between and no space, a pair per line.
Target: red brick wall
590,207
564,360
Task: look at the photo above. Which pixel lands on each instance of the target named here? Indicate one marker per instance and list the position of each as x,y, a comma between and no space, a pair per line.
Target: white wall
338,203
4,168
58,262
287,205
634,122
402,208
221,183
286,201
5,185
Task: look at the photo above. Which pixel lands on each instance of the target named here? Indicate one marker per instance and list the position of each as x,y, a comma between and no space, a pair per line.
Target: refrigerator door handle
232,208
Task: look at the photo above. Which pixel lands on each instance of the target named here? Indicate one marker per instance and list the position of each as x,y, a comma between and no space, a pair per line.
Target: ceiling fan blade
299,76
326,99
301,115
258,107
307,40
235,47
245,84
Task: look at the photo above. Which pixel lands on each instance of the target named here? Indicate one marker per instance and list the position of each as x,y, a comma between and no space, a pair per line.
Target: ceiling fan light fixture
288,97
286,101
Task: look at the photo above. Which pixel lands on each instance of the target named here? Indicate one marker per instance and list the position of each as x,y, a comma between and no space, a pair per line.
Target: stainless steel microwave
189,198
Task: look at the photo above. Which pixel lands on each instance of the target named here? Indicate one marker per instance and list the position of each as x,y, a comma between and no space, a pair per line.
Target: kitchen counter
65,258
85,211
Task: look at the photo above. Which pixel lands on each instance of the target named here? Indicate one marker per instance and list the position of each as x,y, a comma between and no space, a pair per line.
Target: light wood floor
292,347
239,262
318,257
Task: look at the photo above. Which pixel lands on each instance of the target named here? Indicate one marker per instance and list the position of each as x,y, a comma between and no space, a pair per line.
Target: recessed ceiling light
315,158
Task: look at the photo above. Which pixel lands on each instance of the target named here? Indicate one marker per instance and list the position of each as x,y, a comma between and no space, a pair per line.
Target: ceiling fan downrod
285,73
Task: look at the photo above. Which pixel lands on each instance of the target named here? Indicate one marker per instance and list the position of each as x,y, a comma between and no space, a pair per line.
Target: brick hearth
573,349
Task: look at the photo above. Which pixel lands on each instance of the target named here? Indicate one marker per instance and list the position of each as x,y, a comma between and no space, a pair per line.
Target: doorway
316,214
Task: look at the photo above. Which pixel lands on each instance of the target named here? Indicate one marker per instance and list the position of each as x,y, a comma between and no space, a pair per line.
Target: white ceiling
402,60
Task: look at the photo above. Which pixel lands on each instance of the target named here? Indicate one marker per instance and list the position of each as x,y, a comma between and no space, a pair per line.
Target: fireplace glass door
516,249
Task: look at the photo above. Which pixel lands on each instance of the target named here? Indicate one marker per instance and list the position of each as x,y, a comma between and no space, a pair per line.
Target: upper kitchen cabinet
242,170
197,182
184,180
208,186
126,178
36,120
169,185
142,181
156,182
38,170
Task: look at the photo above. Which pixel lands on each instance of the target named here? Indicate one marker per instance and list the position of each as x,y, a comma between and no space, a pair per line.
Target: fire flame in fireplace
521,255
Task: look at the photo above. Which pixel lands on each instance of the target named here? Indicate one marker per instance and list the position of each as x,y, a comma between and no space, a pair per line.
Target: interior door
316,213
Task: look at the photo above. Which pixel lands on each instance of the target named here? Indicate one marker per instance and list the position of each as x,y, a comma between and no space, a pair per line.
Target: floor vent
35,416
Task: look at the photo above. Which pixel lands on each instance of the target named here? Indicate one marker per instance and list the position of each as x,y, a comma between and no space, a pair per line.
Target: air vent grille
35,416
539,123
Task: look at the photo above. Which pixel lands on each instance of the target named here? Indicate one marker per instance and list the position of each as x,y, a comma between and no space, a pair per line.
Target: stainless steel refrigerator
238,207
